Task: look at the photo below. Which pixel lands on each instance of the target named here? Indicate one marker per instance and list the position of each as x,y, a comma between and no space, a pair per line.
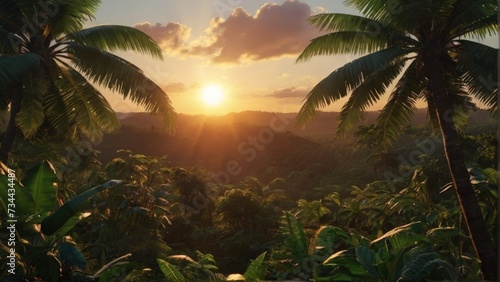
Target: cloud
176,87
170,37
273,32
290,93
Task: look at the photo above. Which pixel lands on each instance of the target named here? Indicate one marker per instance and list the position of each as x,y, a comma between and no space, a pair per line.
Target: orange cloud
290,93
274,31
170,37
176,87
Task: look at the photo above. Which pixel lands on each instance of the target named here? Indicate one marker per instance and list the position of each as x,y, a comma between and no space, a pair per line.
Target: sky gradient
247,47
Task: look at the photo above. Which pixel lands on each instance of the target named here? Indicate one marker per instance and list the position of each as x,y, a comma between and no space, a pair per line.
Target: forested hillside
399,194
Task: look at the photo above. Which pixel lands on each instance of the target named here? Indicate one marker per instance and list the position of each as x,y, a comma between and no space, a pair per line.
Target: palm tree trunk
469,204
11,131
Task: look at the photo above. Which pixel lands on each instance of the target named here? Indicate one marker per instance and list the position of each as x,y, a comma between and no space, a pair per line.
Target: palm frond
346,22
31,116
460,101
115,37
70,16
56,110
14,67
345,42
87,107
474,17
120,75
478,65
479,29
398,111
345,79
403,14
366,94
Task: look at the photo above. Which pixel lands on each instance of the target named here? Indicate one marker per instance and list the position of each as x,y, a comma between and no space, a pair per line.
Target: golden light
212,95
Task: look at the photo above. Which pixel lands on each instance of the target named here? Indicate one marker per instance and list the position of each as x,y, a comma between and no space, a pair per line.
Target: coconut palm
426,48
50,67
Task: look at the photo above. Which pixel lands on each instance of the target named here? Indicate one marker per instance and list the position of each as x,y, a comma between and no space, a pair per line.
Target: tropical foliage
425,49
318,210
50,65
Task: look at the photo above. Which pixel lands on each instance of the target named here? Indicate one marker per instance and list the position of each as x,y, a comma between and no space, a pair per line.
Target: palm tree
424,46
49,65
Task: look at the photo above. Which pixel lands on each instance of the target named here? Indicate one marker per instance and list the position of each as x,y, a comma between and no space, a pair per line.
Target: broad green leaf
492,175
418,266
325,237
24,204
74,220
41,183
367,258
58,219
346,259
256,271
296,239
402,237
170,271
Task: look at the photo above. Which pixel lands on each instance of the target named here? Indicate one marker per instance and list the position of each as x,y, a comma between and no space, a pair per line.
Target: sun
212,95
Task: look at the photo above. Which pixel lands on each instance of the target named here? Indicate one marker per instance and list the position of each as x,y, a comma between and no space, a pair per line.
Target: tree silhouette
49,65
423,41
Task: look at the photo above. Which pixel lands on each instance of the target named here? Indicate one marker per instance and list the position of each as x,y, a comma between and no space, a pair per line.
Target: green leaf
296,239
31,115
402,237
125,78
492,175
70,16
74,220
115,37
256,271
398,111
367,258
84,105
346,259
41,183
366,95
478,64
419,266
53,222
345,79
23,200
325,238
170,271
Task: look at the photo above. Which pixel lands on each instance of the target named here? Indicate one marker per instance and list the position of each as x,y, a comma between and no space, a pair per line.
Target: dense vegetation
382,216
249,196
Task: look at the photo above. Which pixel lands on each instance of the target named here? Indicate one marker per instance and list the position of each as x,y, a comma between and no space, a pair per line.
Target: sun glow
212,95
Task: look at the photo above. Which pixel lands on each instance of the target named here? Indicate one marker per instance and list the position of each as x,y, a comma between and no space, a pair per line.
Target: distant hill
262,144
324,124
231,150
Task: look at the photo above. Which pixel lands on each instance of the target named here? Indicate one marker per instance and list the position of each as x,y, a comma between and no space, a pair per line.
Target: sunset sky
244,48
